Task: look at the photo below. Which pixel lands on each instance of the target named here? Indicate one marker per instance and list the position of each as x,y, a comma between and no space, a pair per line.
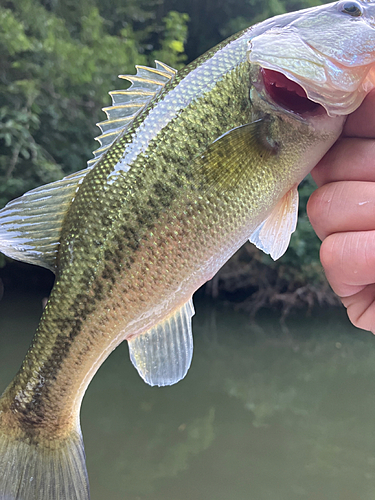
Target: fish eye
354,9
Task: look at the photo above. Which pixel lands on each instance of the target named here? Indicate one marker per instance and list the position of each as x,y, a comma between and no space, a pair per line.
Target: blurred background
279,401
59,60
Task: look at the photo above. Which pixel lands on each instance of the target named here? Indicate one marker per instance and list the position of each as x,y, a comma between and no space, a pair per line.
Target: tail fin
43,472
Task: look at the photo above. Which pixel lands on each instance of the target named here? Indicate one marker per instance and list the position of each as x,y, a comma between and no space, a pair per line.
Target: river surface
263,414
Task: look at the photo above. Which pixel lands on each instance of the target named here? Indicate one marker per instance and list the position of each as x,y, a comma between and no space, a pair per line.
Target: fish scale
210,161
90,268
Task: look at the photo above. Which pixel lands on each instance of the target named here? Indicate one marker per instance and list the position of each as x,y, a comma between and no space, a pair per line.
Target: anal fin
163,355
273,234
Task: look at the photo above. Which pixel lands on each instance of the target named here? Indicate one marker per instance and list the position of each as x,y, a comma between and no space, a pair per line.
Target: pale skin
342,212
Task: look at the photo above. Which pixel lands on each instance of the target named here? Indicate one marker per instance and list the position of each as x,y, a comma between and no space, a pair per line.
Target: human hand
342,212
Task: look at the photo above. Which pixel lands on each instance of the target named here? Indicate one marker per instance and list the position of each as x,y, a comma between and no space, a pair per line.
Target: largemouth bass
191,165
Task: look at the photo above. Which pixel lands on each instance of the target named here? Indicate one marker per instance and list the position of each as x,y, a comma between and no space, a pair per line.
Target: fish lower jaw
339,103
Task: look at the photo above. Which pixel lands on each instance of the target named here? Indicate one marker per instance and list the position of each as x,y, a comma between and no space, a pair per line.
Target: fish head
324,57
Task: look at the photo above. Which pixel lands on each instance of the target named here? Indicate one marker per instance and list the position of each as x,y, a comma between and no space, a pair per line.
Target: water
262,415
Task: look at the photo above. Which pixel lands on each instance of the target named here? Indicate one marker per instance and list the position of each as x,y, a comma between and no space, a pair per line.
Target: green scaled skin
207,161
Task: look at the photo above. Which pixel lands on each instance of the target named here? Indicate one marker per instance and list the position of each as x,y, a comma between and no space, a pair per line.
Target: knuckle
313,207
329,253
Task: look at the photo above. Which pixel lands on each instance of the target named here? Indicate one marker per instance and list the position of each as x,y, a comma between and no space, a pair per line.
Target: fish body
209,159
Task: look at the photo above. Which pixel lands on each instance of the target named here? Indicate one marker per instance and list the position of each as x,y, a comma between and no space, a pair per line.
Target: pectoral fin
273,235
231,158
163,355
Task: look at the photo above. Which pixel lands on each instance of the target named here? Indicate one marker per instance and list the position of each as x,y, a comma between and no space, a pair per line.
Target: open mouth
287,93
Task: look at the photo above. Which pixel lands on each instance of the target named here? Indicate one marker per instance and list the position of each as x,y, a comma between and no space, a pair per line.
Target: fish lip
303,107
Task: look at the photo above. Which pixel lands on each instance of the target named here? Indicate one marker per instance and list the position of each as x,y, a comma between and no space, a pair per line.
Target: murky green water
262,414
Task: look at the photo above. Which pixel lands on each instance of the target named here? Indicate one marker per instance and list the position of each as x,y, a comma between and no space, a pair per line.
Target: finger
361,123
361,308
341,206
349,261
348,159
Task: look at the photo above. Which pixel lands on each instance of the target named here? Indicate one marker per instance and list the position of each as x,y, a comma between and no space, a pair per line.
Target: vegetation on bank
59,59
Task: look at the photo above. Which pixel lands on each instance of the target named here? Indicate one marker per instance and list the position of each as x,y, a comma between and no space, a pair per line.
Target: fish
191,165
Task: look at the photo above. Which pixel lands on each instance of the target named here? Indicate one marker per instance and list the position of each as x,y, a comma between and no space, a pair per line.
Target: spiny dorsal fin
127,104
30,226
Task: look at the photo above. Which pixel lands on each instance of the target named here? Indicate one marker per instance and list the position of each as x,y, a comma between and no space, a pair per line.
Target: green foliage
57,64
214,20
172,45
58,60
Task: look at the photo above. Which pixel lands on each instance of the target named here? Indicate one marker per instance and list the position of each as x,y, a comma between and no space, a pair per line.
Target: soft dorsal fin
163,355
30,226
127,104
273,235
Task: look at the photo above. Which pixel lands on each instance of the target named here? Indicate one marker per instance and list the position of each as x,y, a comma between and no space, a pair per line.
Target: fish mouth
288,94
